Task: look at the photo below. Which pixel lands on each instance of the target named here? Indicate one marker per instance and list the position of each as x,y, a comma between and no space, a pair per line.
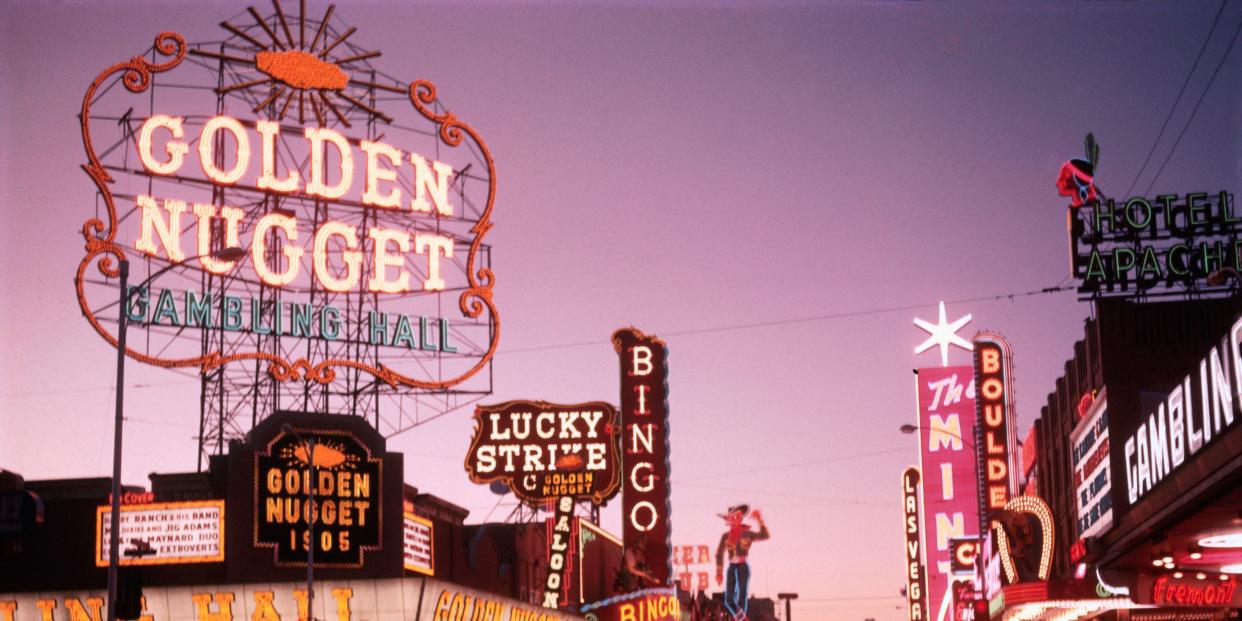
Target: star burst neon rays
943,334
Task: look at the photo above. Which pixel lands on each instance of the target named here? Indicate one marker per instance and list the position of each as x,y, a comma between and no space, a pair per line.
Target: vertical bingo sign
644,440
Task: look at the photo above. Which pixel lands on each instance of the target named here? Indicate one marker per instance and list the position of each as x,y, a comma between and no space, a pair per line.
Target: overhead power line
1177,101
1202,96
813,318
690,332
813,462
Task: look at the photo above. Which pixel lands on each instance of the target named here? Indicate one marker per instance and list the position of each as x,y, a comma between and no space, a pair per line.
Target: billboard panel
546,451
1092,474
163,533
946,409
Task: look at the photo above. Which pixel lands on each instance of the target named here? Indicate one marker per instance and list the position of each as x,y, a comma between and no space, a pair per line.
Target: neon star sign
943,334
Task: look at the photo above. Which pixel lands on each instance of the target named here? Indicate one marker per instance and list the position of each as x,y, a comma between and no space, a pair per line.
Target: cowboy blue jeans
737,582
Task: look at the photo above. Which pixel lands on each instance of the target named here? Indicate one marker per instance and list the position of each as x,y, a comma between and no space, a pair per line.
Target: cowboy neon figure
737,542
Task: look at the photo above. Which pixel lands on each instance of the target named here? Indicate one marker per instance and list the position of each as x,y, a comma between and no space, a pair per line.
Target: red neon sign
994,402
1168,592
644,417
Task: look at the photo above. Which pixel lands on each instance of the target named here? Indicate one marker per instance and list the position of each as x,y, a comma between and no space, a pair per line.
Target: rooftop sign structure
311,229
1165,245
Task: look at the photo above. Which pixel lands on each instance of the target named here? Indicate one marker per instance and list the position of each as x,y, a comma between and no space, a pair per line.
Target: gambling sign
346,482
545,451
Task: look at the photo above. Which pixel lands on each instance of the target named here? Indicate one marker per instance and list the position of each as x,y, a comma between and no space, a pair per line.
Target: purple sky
682,170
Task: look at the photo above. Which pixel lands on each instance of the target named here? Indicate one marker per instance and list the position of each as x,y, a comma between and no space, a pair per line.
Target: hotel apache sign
293,203
1163,245
545,451
1152,245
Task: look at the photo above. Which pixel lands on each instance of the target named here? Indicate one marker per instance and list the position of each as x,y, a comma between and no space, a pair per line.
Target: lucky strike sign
545,451
292,202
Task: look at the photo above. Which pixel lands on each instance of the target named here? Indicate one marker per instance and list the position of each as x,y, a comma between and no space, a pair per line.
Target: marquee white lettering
1188,419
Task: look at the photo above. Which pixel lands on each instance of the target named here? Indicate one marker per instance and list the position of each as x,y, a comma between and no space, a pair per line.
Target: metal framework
247,375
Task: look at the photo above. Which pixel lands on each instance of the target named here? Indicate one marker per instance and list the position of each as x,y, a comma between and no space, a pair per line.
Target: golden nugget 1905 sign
346,482
544,451
322,221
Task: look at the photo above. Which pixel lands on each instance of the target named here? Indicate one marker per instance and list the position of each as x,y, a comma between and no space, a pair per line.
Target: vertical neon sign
946,409
916,578
644,416
993,362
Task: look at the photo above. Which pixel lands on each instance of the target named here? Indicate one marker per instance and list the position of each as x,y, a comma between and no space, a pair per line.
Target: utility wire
1177,101
1202,96
691,332
782,322
793,465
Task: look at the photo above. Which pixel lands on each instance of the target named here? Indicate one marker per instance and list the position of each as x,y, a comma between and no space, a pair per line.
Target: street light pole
310,549
114,537
310,519
909,429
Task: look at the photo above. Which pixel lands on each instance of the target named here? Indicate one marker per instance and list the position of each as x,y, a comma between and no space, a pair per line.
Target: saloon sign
544,451
298,215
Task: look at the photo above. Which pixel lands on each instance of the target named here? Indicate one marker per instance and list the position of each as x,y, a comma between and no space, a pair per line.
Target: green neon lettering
445,346
136,310
404,333
1122,266
378,322
1150,264
300,316
1144,208
1173,261
330,323
197,309
230,315
1095,267
166,307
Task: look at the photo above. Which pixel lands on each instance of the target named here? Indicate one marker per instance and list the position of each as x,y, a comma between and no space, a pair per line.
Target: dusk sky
777,190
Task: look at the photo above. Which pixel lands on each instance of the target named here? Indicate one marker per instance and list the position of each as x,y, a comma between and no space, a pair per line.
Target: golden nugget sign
544,451
296,194
346,483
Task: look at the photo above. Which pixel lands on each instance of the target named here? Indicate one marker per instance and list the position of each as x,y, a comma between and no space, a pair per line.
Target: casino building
1137,454
223,543
1141,455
